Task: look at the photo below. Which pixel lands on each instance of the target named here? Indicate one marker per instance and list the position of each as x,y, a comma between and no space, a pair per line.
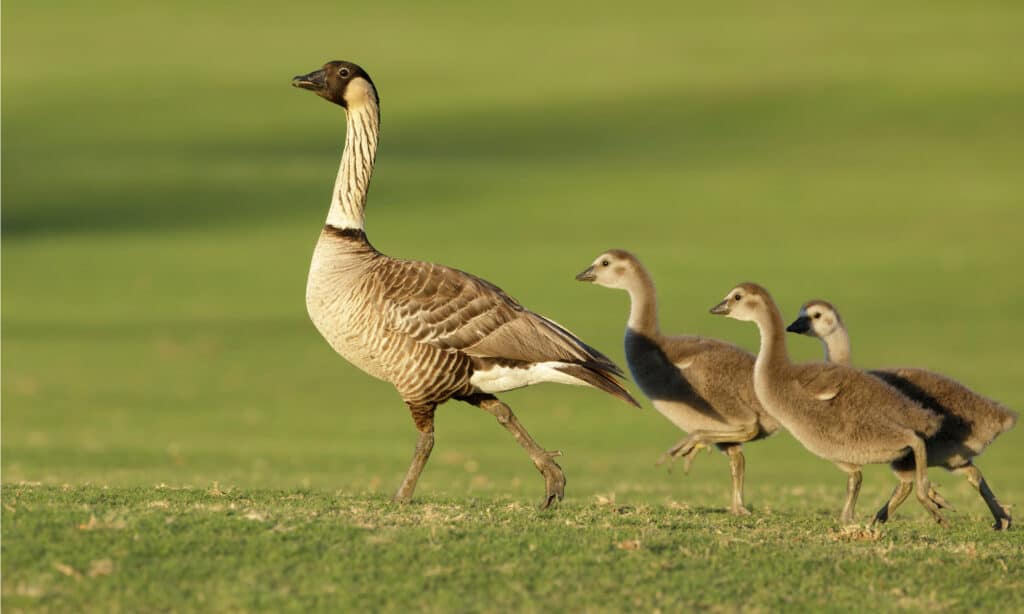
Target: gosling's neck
362,130
643,305
837,346
772,357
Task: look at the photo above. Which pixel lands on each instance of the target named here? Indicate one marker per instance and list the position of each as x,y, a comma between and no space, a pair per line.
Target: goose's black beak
721,309
800,325
587,274
315,80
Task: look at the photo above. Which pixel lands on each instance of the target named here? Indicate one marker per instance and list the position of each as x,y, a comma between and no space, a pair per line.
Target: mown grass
163,186
217,550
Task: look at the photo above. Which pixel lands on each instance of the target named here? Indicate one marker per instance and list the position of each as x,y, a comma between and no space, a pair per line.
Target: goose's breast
346,312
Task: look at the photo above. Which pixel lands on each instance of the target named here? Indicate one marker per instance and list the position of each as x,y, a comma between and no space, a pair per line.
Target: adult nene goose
837,413
703,386
970,421
433,332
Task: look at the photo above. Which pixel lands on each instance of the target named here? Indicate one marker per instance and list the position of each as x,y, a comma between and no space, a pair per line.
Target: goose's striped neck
353,181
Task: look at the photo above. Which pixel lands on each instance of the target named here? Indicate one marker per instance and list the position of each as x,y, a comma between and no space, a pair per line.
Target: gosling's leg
737,467
899,495
926,495
554,479
973,474
853,481
424,418
690,445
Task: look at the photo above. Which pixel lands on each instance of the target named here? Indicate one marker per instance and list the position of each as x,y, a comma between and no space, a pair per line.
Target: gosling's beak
800,325
315,80
587,274
721,309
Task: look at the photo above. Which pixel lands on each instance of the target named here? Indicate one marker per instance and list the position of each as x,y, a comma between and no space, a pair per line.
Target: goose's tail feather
599,378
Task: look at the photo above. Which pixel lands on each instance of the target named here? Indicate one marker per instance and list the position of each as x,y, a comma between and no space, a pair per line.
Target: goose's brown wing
455,311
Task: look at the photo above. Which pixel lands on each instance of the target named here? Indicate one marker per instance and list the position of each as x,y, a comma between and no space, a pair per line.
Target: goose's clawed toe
554,479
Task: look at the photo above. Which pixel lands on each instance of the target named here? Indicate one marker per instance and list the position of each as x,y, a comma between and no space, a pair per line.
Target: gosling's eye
343,73
605,263
817,315
736,297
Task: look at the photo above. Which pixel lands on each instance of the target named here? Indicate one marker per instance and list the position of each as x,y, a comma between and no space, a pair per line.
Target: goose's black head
342,83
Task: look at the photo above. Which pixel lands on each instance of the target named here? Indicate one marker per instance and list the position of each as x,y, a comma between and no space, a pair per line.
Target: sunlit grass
161,199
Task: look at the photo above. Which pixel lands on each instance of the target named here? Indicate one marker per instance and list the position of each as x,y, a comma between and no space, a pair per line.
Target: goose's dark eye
604,263
736,297
817,315
343,73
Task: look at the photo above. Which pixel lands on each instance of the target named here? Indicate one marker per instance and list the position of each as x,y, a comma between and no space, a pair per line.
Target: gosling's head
342,83
817,319
614,268
743,302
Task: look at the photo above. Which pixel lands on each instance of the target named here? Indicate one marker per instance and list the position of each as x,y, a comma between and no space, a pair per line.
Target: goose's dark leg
424,418
737,467
853,481
977,480
554,479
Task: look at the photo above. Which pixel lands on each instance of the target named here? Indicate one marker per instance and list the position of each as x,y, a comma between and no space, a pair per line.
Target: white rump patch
499,378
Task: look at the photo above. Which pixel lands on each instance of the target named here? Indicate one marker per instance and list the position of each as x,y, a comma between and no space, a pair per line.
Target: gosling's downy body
970,421
433,332
703,386
838,413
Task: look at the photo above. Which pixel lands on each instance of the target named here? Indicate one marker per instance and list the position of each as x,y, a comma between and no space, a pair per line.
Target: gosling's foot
932,507
939,500
686,450
739,510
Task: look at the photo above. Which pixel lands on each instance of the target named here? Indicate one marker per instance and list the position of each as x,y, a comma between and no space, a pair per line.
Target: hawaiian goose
433,332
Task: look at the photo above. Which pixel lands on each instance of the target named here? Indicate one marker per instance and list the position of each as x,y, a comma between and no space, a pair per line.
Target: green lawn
176,436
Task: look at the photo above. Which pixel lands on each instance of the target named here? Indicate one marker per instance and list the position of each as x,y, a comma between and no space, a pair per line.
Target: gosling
970,421
836,412
703,386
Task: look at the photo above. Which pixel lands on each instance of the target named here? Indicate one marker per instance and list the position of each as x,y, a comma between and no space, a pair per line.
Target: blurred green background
163,187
